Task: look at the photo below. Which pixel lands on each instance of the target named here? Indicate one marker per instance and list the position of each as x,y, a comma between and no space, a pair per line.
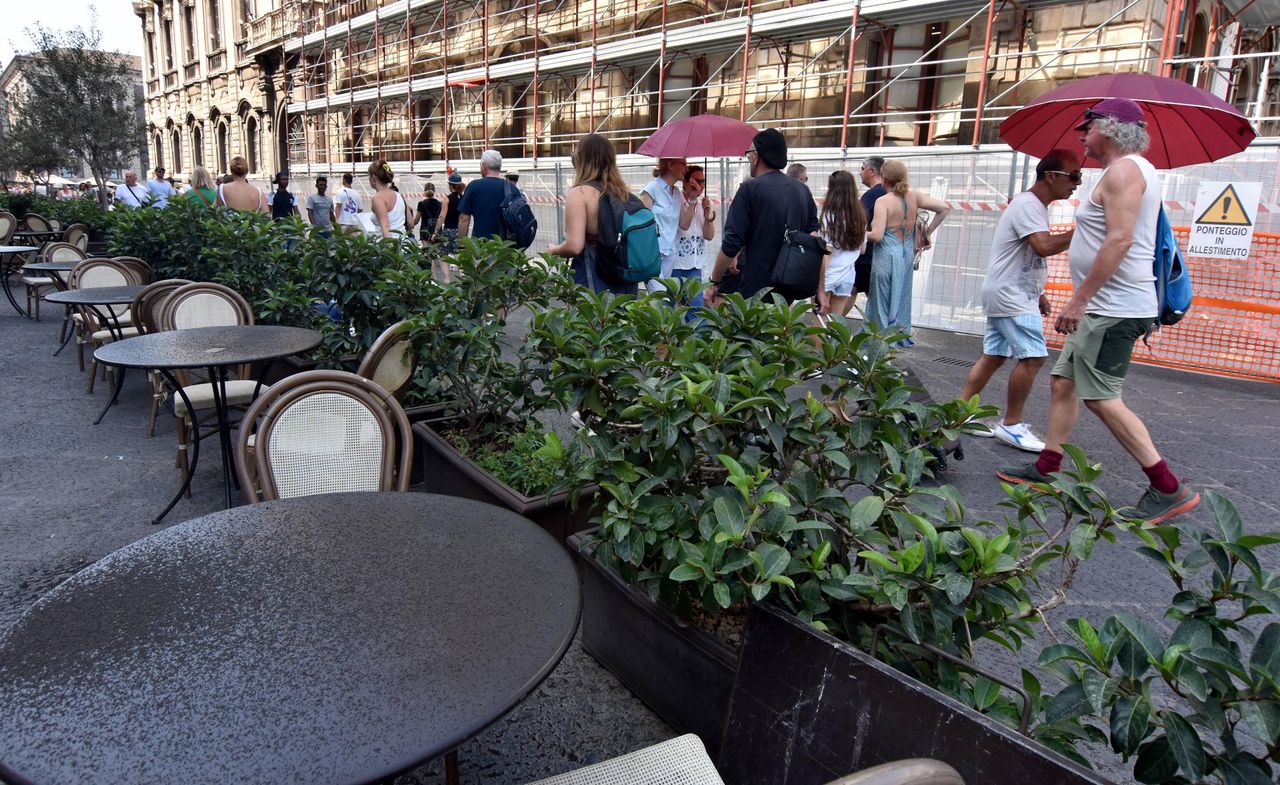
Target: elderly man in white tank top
1114,304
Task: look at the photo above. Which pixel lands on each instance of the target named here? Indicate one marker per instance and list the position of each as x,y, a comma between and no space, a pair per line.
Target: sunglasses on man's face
698,181
750,151
1074,174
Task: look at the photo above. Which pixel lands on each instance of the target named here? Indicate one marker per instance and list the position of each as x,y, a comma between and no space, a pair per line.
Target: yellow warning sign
1225,210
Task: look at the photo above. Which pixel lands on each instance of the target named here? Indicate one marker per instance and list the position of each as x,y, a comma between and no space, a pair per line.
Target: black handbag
799,265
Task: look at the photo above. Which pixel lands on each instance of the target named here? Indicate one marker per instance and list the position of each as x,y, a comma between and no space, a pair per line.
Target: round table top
51,267
325,639
95,295
202,347
17,248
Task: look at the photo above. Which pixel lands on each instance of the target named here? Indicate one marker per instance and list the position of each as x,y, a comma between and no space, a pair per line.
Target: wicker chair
53,252
323,432
204,305
145,310
93,273
141,268
77,235
8,225
36,223
684,761
391,361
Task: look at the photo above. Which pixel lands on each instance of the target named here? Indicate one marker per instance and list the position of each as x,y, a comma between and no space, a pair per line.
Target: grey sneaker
1022,474
1155,507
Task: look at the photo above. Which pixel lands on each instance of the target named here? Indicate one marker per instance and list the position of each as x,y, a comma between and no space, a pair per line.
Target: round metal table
7,252
215,349
327,639
95,296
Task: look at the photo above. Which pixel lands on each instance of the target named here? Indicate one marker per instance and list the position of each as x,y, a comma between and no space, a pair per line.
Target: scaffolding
423,83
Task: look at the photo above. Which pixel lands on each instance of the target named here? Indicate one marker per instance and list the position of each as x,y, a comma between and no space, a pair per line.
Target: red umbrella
703,136
1187,125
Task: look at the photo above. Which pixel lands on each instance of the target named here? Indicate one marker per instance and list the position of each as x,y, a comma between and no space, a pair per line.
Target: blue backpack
1173,281
627,244
518,223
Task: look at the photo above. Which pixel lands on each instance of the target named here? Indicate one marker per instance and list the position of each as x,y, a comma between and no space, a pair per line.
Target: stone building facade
326,85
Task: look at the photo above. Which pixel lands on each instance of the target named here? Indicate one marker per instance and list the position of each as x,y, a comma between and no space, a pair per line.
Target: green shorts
1096,356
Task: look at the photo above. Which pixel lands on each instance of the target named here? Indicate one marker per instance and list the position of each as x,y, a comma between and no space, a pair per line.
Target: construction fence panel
1233,328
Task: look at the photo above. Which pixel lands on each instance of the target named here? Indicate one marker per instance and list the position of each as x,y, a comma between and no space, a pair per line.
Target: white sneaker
991,423
1020,436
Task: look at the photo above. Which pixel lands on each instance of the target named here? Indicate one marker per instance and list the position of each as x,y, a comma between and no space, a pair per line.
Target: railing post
982,78
848,76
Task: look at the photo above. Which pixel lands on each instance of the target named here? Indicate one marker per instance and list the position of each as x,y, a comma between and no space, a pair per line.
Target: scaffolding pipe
411,111
444,90
537,34
662,63
848,75
746,54
986,63
595,15
484,88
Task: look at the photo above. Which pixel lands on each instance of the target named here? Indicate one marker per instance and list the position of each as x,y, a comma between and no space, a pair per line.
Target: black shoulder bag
799,265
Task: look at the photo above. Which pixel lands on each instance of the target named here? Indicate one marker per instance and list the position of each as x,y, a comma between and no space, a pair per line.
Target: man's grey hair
874,162
1127,137
492,159
795,170
130,172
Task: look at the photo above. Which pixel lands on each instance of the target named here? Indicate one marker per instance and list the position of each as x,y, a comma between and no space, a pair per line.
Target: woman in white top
390,210
239,194
844,225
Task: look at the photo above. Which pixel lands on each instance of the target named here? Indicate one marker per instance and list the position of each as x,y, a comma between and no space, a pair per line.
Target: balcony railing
190,71
171,80
217,61
273,27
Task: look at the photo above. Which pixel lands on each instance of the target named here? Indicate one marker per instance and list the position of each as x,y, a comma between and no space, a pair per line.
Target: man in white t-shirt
161,190
129,193
346,203
1013,293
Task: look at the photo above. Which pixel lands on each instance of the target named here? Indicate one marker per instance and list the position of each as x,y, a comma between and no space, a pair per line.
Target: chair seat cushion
124,318
29,281
239,393
105,336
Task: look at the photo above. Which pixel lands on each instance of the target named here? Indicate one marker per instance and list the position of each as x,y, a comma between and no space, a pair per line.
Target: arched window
223,148
159,159
251,143
177,150
197,144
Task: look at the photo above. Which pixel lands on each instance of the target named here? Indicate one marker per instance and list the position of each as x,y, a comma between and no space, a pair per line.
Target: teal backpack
627,244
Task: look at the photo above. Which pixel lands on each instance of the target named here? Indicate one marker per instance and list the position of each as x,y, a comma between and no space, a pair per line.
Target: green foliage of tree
81,100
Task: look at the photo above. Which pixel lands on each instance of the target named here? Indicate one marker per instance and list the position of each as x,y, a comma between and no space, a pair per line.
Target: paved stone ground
75,492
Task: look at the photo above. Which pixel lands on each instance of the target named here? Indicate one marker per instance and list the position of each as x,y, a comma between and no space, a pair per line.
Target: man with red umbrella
1114,304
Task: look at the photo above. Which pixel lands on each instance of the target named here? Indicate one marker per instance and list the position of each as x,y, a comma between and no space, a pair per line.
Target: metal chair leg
451,767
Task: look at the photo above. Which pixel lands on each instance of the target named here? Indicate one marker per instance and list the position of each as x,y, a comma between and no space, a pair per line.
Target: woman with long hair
844,225
238,193
447,227
893,232
595,173
391,212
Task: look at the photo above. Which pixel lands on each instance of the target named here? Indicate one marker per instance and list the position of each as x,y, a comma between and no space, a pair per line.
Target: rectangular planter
808,708
680,671
447,471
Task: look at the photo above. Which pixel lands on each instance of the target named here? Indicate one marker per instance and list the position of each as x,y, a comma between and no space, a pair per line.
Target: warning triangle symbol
1225,210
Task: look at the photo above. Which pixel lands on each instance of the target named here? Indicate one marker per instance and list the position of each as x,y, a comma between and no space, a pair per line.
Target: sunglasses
699,181
750,151
1074,174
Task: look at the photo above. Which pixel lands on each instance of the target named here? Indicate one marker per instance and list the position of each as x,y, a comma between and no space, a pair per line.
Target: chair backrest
145,273
94,273
146,305
203,305
36,222
54,223
680,760
77,235
8,225
323,432
62,252
391,361
913,771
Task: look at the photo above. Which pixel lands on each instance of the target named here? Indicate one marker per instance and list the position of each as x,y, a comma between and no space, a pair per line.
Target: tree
83,99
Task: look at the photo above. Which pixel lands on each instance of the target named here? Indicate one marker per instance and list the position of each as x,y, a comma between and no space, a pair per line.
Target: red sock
1161,478
1049,461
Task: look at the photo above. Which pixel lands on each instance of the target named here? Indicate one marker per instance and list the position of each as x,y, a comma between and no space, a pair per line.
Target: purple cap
1125,110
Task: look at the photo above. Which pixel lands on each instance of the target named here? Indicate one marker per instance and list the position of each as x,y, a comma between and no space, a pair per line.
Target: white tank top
1131,291
395,216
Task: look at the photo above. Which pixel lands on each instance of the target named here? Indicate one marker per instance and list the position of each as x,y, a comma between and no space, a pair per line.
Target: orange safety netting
1233,326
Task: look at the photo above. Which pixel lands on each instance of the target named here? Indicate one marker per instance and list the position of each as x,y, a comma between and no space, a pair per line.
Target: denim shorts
1019,337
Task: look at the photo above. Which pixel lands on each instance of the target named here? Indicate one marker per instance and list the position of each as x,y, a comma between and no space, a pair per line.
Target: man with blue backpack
1114,304
493,206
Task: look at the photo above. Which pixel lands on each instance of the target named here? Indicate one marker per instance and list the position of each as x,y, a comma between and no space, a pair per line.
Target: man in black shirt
762,210
870,174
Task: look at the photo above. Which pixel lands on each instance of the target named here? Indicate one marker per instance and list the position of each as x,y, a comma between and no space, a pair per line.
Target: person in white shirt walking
1013,294
129,193
161,190
346,203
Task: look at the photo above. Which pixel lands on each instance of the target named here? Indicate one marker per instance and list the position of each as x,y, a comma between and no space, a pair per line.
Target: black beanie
771,146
